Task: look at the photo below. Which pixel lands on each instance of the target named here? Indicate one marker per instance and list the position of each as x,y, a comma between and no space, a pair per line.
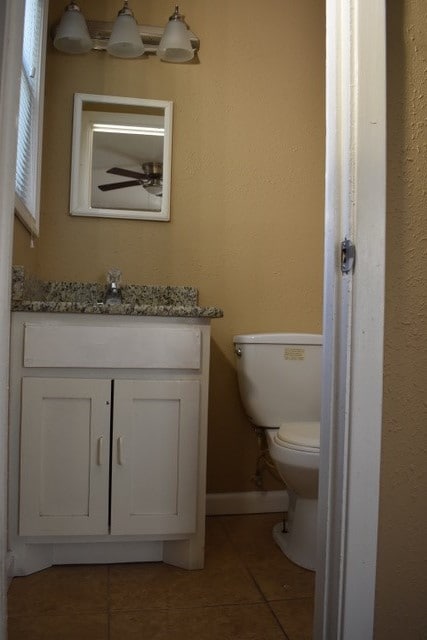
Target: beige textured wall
402,557
247,184
24,248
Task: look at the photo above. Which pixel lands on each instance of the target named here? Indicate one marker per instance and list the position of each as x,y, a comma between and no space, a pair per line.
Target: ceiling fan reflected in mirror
151,178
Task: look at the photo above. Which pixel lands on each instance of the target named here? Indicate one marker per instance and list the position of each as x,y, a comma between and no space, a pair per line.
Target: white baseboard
246,502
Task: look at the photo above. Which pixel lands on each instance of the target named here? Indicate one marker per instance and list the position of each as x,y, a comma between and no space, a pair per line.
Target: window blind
30,108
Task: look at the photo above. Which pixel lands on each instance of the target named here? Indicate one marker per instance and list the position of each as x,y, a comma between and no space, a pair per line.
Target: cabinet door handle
99,451
120,450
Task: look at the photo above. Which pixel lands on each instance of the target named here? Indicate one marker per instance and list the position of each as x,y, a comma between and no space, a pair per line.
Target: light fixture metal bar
100,32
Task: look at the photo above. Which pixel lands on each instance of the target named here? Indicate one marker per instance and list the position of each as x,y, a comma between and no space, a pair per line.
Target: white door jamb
353,320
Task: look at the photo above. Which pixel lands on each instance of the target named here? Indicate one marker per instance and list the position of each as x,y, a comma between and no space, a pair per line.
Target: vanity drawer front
53,345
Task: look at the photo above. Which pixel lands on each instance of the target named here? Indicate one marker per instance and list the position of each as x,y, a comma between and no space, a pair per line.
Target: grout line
285,635
258,587
218,605
299,597
267,602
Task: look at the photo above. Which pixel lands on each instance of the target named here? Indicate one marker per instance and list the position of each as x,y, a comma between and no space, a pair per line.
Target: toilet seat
299,436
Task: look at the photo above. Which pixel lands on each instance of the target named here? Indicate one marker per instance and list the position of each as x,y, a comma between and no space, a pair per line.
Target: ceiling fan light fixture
125,40
175,45
150,179
72,35
154,190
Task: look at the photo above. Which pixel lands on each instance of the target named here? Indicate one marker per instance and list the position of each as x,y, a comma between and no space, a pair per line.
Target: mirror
121,157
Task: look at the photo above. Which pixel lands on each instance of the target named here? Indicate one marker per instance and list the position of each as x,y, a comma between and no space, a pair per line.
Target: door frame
353,319
352,380
11,32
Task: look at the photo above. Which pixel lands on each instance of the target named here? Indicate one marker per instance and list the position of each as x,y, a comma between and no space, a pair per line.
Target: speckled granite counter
87,297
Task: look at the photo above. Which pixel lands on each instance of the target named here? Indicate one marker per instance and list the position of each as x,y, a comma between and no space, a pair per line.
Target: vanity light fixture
125,41
125,38
72,35
175,45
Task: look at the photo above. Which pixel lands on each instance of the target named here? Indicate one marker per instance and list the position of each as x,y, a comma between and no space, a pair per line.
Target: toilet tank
279,377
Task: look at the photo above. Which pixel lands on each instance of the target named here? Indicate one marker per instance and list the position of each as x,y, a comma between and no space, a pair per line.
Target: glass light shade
175,45
125,40
72,35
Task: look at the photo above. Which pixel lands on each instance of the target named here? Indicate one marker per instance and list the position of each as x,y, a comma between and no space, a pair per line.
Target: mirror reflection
121,157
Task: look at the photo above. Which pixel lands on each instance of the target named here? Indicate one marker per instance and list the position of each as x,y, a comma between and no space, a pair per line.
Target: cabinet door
155,456
64,472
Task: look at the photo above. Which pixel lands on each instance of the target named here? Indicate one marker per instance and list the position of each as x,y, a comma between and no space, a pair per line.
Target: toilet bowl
297,461
279,384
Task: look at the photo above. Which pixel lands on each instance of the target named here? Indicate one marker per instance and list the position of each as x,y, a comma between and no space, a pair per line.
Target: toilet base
299,542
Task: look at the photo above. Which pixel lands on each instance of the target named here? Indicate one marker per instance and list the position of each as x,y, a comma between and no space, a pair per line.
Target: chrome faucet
113,293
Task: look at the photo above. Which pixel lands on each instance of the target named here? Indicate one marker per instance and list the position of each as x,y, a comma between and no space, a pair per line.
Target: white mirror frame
81,194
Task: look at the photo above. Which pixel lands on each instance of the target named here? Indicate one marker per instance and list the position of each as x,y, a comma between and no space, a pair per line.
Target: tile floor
247,591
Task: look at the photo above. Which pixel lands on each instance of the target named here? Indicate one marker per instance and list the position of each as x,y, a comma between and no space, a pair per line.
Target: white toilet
279,383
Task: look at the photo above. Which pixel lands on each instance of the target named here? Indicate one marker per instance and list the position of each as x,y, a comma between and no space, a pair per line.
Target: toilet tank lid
305,434
278,338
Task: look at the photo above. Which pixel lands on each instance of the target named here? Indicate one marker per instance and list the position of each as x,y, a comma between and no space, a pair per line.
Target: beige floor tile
296,617
251,535
77,627
245,529
159,586
243,622
219,551
276,576
283,580
60,591
226,600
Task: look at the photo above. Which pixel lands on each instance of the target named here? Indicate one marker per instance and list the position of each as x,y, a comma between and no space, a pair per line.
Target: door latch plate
348,256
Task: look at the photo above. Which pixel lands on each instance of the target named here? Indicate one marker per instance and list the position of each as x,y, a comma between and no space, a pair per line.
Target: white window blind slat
27,183
23,158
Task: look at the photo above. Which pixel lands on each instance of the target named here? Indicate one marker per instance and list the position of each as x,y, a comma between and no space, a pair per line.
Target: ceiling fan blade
126,172
119,185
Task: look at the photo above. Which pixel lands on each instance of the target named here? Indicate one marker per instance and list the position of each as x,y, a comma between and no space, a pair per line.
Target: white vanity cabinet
154,456
108,439
66,464
64,461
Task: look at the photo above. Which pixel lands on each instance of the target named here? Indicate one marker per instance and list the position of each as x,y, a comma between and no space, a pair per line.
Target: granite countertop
29,294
